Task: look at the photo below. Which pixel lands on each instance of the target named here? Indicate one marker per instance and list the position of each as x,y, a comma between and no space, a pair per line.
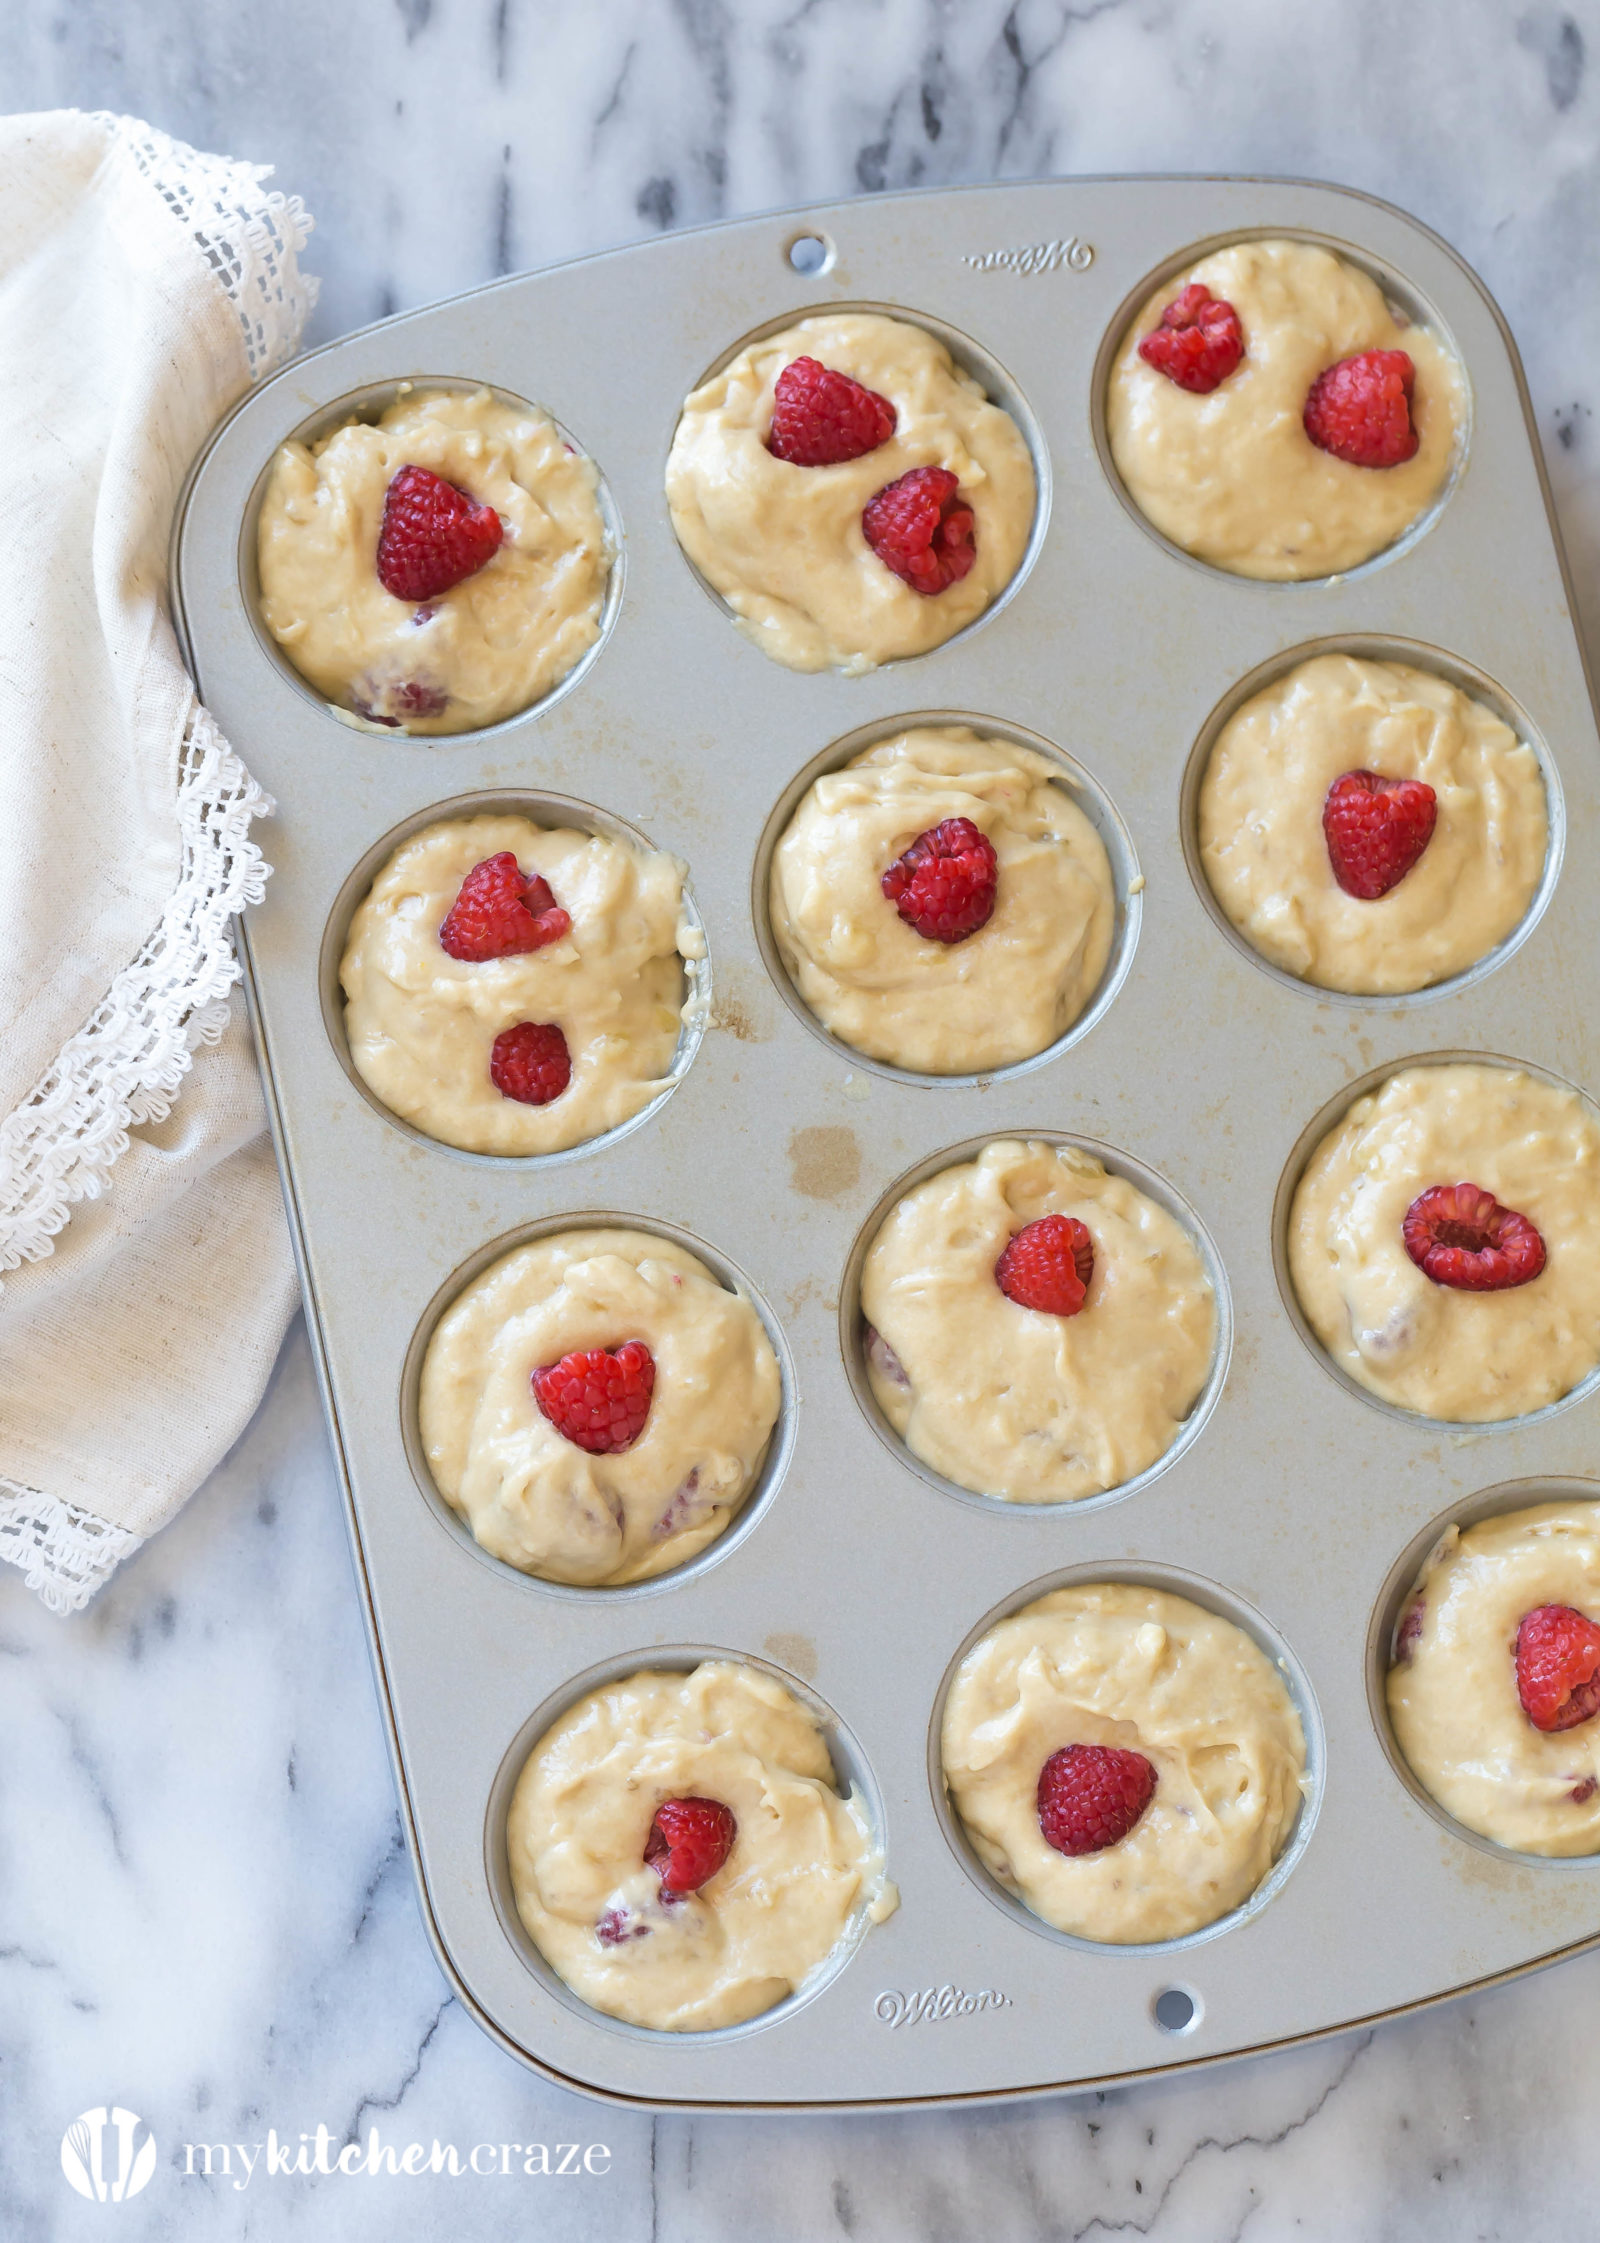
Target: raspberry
1376,829
500,914
1558,1667
1462,1237
944,885
617,1926
530,1062
821,418
1090,1796
1199,341
599,1397
689,1841
1410,1634
433,535
1360,410
921,527
1048,1265
1582,1793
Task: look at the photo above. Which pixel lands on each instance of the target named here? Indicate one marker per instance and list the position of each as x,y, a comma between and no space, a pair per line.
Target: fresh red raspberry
599,1397
1048,1265
1376,829
1360,410
945,884
921,527
689,1841
1558,1667
530,1062
434,535
1090,1796
500,914
1462,1237
821,418
1199,341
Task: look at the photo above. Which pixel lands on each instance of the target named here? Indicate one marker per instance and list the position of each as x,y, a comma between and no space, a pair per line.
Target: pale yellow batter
488,647
536,1499
1453,1691
802,1867
1449,1354
783,544
1010,1401
1143,1671
421,1025
1262,843
1002,994
1232,476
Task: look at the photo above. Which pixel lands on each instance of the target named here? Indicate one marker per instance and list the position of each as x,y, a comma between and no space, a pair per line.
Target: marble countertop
205,1910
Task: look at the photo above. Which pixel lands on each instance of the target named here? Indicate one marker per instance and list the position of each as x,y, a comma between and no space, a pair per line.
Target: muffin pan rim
1438,661
954,2064
855,1775
353,406
1116,1162
1326,1119
772,1467
1497,1501
970,357
1210,1596
537,806
1081,788
1399,292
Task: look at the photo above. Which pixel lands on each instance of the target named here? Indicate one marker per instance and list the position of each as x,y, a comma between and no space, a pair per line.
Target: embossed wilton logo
935,2003
1040,257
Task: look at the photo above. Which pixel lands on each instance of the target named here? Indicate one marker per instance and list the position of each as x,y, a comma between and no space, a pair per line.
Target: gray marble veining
205,1912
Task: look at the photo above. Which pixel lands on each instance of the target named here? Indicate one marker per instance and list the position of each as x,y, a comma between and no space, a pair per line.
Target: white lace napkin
145,1274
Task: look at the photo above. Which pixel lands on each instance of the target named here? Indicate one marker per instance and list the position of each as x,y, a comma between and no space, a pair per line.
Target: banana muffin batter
679,1850
499,637
1269,861
784,543
1231,474
1524,1774
1034,1404
1120,1676
424,1025
597,1406
1507,1317
1003,992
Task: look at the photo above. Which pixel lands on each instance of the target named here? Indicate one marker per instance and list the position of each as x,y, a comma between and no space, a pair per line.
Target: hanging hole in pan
810,254
1177,2010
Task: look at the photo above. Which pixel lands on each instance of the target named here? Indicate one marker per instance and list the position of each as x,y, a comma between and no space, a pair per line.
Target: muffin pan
1294,1506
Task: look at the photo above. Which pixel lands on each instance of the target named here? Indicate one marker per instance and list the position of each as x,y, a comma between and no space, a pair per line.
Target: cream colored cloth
142,287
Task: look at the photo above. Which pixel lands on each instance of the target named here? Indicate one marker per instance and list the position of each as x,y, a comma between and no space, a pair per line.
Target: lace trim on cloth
251,239
65,1554
126,1064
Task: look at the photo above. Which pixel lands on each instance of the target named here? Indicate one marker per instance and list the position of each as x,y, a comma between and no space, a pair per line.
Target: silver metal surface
1296,1501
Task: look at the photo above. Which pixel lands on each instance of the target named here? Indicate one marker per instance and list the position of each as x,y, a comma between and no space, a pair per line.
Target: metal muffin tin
851,1574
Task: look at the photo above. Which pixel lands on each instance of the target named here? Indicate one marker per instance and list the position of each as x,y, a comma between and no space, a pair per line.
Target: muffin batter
1262,844
783,544
1232,476
1139,1670
1010,1401
533,1497
802,1865
1003,993
421,1025
1453,1687
1467,1356
470,656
